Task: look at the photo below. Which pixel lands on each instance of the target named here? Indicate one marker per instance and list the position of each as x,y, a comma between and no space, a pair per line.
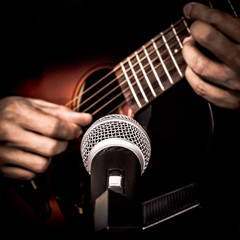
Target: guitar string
116,96
123,82
109,83
233,12
116,88
139,52
159,65
103,78
156,38
117,68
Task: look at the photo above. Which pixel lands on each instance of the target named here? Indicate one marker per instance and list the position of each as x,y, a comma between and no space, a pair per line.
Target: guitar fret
186,25
130,86
152,66
162,62
153,69
145,75
159,62
181,30
176,35
137,80
172,57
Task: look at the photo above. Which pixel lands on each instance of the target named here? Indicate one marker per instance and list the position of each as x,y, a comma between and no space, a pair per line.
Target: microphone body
117,169
115,151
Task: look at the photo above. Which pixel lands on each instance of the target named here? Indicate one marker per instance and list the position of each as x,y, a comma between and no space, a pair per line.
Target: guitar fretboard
146,73
159,63
154,67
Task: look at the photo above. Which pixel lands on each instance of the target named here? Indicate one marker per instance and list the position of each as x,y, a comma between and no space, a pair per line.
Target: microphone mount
114,212
115,151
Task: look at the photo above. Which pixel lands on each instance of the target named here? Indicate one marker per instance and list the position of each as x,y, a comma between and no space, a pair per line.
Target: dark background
38,33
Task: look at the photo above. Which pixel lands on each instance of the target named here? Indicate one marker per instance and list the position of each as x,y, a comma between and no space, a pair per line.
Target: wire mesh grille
116,126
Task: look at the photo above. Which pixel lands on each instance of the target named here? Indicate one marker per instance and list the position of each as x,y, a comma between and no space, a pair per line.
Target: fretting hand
215,79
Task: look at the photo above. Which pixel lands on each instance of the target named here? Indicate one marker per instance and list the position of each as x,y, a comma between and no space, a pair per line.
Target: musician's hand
32,131
216,79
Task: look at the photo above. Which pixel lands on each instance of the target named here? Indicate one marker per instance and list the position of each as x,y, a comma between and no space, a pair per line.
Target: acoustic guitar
148,85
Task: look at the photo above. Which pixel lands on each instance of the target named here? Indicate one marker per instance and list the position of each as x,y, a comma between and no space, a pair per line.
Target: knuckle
58,129
56,147
199,88
5,130
50,151
54,127
61,147
41,165
10,106
200,67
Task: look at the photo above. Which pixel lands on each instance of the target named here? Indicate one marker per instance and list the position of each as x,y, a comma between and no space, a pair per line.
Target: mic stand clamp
115,212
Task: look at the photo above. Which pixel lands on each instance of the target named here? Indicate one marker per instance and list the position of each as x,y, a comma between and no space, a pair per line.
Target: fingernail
81,114
187,39
187,10
86,118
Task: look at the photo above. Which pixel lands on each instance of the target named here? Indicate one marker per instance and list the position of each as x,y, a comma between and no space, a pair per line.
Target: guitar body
178,120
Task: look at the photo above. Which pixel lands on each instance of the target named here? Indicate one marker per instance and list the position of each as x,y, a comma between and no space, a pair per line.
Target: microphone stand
115,212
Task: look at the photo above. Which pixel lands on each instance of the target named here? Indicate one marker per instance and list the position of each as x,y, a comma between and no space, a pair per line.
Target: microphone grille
116,126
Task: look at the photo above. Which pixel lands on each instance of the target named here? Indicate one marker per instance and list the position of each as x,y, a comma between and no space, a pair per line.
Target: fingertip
187,39
79,118
86,118
187,9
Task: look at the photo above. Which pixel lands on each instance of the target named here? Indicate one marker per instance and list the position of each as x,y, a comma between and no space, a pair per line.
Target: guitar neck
154,67
159,64
148,72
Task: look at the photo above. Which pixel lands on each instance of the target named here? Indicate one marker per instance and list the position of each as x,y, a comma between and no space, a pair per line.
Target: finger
62,112
31,141
46,124
17,173
220,97
226,23
217,43
23,159
208,69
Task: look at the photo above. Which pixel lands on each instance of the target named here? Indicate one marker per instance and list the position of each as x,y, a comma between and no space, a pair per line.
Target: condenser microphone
115,151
